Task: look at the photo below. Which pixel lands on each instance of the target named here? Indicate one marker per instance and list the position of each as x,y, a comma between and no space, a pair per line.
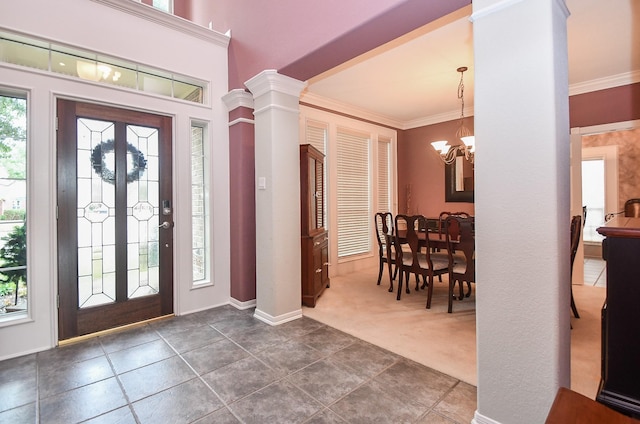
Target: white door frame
576,177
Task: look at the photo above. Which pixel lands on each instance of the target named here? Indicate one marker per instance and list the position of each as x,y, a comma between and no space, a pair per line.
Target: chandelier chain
449,151
461,94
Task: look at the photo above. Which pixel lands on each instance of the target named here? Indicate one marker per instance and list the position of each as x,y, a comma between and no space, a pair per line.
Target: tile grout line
198,376
117,376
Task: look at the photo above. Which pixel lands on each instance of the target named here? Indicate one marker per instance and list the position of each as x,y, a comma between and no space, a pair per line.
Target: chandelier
449,152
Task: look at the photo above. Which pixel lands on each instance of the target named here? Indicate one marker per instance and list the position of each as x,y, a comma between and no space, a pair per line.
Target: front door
115,217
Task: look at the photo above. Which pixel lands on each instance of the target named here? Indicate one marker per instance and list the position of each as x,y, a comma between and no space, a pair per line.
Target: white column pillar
278,251
522,207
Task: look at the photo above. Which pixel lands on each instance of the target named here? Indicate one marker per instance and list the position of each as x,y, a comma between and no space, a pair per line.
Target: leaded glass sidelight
199,209
96,213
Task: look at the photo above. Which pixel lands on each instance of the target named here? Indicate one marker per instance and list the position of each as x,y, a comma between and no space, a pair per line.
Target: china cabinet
314,236
620,373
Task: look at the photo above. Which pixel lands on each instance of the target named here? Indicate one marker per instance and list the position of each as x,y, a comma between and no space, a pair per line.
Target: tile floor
224,366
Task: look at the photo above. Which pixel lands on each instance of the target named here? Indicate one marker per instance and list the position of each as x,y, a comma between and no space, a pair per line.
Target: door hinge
58,301
56,123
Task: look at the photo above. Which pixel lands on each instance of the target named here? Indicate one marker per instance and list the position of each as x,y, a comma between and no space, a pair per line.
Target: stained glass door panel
96,213
109,215
143,211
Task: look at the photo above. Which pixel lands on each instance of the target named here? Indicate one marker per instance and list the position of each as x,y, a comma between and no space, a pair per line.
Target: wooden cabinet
314,236
619,388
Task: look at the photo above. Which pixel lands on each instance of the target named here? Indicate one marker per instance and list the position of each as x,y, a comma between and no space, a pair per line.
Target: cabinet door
316,193
325,264
317,270
312,190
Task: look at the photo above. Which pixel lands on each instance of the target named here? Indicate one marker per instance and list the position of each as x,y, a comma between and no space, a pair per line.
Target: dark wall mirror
459,180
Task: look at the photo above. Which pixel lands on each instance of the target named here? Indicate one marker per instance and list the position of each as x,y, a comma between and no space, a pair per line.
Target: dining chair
461,251
442,220
386,251
418,258
576,226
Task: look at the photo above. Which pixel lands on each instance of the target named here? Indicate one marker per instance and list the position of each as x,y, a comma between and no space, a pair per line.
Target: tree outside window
13,196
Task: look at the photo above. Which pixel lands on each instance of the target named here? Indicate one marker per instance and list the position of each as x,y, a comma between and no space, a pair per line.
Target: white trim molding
611,81
350,110
270,80
237,98
242,305
478,418
160,17
347,109
603,128
281,319
241,121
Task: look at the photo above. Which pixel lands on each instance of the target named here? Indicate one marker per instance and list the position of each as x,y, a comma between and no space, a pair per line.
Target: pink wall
420,167
617,104
302,39
242,202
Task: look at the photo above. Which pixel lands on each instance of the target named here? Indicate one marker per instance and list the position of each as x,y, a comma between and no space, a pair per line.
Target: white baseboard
281,319
242,305
478,418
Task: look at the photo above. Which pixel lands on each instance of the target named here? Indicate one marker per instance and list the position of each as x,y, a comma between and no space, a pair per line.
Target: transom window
34,53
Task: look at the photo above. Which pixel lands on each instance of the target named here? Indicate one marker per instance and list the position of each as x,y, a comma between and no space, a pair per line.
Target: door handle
165,225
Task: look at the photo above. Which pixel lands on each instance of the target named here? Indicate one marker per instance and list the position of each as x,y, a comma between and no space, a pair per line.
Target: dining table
435,240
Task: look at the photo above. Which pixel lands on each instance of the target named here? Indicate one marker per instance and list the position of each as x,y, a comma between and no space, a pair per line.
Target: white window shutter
384,182
354,211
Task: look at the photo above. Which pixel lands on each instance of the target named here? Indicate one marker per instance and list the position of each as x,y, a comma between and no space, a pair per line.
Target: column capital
237,98
270,80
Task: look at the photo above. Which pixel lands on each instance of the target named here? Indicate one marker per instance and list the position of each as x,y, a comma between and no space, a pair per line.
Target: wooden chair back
461,249
576,226
442,219
384,227
409,225
461,239
386,251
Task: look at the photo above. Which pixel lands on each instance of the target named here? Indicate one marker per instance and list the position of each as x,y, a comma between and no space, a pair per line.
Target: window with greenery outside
13,197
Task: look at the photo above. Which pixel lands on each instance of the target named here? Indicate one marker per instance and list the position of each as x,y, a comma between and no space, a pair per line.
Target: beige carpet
445,342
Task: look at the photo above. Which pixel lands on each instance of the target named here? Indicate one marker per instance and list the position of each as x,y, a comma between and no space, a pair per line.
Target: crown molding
604,83
167,20
436,119
347,109
574,89
603,128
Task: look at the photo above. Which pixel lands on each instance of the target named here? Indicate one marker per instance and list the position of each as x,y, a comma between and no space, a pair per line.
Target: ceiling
412,81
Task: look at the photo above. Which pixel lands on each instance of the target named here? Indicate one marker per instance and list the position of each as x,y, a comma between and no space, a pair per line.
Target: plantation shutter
384,198
316,135
354,215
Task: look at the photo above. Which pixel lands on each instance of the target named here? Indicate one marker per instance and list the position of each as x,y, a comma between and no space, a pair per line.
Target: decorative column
242,200
277,165
522,207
